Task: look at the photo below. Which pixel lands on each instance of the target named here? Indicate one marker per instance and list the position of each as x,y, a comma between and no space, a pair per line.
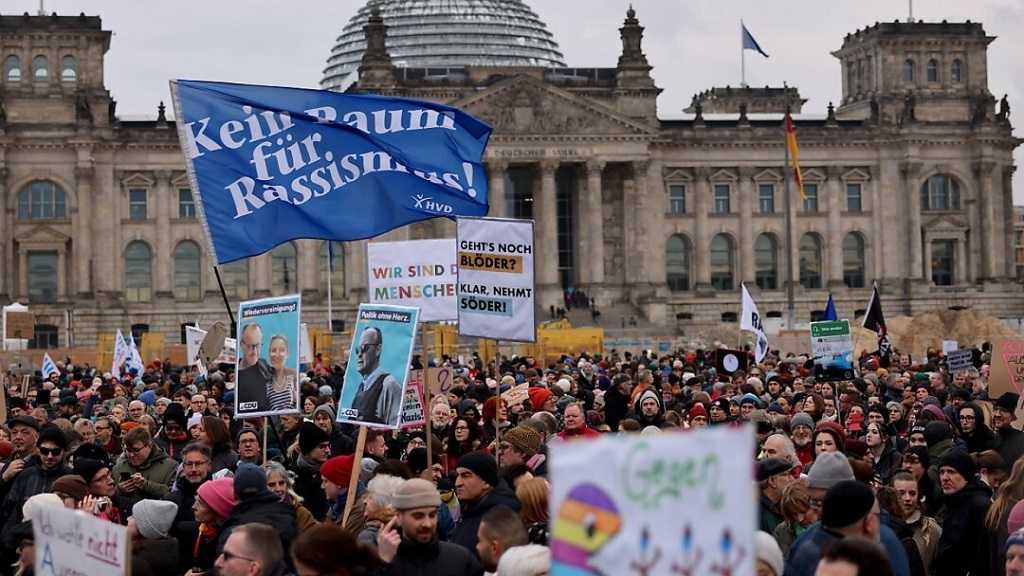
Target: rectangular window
186,205
810,197
853,198
943,261
42,277
677,199
766,198
137,204
722,199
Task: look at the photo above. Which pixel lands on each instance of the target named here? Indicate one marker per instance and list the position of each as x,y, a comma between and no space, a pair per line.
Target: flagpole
743,58
330,301
790,296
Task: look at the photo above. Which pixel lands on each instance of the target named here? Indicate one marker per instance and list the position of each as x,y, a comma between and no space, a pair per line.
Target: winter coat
266,508
997,542
415,559
223,458
616,406
341,443
171,446
888,463
1011,445
466,528
926,535
307,485
156,557
963,546
32,480
185,528
981,439
770,515
158,470
804,555
304,519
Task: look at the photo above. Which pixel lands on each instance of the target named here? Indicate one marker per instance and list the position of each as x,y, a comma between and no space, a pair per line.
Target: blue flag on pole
271,164
749,43
830,310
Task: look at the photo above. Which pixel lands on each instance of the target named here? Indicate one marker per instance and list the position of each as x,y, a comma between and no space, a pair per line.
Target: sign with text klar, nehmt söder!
271,164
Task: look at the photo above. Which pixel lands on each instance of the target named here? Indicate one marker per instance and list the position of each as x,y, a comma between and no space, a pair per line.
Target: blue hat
750,398
148,397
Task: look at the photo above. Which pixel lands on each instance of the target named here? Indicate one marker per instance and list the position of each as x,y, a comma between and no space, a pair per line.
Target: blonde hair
533,496
1010,492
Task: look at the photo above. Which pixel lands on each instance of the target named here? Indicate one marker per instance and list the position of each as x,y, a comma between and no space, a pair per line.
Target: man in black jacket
479,489
1011,440
37,476
963,544
195,469
256,503
408,544
315,449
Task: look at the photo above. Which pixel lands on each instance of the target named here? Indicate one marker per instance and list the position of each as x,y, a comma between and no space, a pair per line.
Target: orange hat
128,426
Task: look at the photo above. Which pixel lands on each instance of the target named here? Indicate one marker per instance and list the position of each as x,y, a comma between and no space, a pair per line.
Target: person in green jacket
143,471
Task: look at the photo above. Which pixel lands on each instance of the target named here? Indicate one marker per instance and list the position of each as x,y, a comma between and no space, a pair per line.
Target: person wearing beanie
1014,564
801,428
917,461
254,502
1011,440
522,445
769,556
173,436
315,449
154,550
541,399
829,437
648,409
215,499
479,489
409,543
37,475
341,443
697,416
963,547
336,474
849,510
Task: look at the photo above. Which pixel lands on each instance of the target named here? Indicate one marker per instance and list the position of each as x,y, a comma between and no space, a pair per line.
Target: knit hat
153,518
71,484
538,396
175,413
698,409
1016,519
801,419
829,469
41,500
960,461
250,481
416,493
195,420
564,384
649,430
311,436
750,398
1016,538
648,394
91,452
482,464
219,495
51,433
524,439
1008,402
326,408
88,468
835,430
935,432
846,503
338,469
768,551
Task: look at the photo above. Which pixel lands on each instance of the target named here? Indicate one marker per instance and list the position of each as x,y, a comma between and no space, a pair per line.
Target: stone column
983,171
912,194
546,237
496,188
746,243
81,244
355,270
928,258
5,231
62,276
701,243
164,263
961,261
877,227
259,275
834,199
594,227
1008,221
309,269
22,273
108,246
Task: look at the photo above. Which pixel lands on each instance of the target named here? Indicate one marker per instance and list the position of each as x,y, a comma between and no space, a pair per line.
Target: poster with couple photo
267,369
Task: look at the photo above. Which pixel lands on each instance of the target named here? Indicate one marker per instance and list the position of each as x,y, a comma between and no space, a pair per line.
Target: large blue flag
271,164
830,310
749,43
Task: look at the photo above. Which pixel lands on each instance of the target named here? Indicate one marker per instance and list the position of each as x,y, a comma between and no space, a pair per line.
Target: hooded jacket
963,546
465,534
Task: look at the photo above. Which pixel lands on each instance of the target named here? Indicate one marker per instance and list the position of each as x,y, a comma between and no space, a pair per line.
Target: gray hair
382,488
275,467
528,560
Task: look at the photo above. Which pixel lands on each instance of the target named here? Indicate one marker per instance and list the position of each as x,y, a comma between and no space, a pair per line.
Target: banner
270,164
121,354
49,366
671,503
750,320
496,282
74,542
1007,368
418,273
135,365
378,366
268,366
832,350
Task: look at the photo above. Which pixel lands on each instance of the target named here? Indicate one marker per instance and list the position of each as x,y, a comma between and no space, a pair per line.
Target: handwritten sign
73,542
517,394
958,360
440,380
1007,368
654,504
412,405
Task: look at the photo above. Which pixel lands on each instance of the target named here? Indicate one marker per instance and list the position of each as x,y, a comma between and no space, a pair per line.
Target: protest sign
832,350
268,368
270,164
419,273
193,340
1007,368
730,362
378,366
958,360
412,406
652,504
75,542
496,282
949,346
305,348
439,380
229,353
516,395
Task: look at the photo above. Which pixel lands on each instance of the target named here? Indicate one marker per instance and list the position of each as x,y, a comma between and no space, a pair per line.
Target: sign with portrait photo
378,366
267,368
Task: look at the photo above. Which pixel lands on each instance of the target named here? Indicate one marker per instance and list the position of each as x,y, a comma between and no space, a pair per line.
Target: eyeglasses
50,451
967,417
366,347
228,557
135,449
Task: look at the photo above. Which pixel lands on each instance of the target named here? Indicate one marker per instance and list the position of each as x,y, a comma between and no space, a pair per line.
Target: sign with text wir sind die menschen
270,164
496,283
418,273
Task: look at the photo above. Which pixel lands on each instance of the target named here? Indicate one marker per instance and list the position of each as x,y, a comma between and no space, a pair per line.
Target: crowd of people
906,470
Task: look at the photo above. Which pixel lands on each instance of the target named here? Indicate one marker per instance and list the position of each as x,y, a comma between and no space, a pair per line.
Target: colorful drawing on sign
586,521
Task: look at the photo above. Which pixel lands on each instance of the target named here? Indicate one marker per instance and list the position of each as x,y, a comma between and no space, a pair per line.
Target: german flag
794,154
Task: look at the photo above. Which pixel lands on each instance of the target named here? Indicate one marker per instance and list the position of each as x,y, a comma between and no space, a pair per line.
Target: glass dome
447,33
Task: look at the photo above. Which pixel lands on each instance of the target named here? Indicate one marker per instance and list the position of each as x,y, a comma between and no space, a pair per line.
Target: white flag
49,366
134,358
750,319
120,354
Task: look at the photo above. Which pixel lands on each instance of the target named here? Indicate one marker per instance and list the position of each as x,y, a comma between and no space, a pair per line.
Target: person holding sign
379,398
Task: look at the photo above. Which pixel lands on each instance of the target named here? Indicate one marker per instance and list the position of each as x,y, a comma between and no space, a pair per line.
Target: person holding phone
102,489
145,471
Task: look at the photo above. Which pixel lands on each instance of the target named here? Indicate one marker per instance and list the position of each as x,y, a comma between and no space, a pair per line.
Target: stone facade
909,184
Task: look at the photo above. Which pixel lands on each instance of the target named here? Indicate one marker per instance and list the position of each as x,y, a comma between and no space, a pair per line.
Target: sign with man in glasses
374,390
268,365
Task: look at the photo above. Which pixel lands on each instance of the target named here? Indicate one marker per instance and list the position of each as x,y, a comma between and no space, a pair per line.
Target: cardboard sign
74,542
440,380
958,360
19,325
652,504
949,346
730,362
418,273
193,340
1007,368
516,395
832,350
412,408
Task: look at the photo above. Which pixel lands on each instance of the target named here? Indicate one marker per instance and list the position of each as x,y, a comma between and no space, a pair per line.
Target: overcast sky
692,44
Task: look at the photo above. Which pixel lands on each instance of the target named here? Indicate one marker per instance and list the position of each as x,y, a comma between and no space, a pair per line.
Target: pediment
526,105
946,222
678,175
856,174
137,180
813,175
43,234
768,174
180,180
724,176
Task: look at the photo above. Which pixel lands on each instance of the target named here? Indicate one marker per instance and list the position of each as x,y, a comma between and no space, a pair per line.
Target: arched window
138,272
40,67
853,260
42,200
69,69
940,192
908,70
283,266
722,259
933,71
677,263
956,71
235,277
766,262
810,261
12,69
337,268
187,285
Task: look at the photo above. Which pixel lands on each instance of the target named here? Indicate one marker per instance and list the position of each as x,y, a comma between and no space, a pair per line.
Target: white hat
153,518
768,551
564,384
194,420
